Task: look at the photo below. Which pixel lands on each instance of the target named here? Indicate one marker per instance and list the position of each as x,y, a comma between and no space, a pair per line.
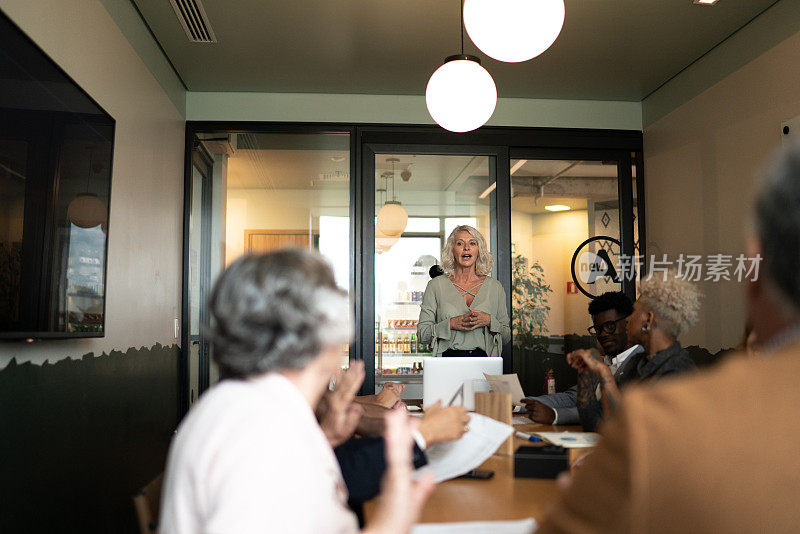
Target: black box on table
540,462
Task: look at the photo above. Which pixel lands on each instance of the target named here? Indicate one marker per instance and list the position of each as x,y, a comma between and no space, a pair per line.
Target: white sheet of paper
452,459
570,440
522,526
507,384
521,420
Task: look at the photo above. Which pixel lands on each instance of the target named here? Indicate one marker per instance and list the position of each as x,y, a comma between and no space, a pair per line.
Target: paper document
452,459
522,526
507,384
521,420
569,440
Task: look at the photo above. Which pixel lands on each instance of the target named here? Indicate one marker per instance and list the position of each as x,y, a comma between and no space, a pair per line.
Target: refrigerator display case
403,276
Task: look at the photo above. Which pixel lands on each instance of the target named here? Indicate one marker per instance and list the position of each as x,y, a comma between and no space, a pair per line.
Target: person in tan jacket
718,451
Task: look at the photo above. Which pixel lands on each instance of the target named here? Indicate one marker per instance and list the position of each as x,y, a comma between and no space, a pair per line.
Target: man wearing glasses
608,312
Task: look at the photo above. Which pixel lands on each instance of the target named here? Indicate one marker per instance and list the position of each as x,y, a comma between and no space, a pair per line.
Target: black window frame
503,143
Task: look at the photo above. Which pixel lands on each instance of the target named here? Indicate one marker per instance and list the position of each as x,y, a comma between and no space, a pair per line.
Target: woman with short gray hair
667,307
250,455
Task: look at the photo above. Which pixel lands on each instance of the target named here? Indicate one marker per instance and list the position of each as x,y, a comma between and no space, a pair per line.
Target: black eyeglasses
609,327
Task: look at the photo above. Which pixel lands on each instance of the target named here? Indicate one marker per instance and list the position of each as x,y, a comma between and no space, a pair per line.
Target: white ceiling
607,50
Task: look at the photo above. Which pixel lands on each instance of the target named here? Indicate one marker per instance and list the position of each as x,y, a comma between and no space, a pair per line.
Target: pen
459,392
523,435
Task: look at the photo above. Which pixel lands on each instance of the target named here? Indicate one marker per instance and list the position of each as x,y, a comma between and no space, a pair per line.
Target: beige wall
551,239
701,162
285,209
145,227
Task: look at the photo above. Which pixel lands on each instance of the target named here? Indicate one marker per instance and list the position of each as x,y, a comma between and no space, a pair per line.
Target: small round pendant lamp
86,211
383,242
392,219
461,94
513,30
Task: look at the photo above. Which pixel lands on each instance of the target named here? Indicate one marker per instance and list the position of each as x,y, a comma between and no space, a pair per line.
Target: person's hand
479,318
338,415
470,321
461,322
539,412
439,424
401,499
389,396
589,360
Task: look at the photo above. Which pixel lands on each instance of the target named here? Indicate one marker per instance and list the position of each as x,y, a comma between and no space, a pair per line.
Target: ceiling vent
193,18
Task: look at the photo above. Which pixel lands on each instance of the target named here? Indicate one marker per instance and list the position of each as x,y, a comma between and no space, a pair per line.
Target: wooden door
261,241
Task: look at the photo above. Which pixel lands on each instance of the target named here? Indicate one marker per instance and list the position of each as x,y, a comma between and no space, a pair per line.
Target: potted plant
529,304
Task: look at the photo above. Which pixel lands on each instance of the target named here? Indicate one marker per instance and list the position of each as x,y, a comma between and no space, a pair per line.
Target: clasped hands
470,321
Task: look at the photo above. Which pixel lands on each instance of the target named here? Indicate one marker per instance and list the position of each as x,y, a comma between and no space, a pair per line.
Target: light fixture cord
394,197
89,174
462,27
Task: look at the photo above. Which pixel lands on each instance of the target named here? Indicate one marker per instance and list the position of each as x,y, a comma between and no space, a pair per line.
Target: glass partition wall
433,194
259,192
565,222
379,202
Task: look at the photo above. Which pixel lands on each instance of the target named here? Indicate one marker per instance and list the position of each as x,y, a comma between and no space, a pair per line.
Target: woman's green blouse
442,301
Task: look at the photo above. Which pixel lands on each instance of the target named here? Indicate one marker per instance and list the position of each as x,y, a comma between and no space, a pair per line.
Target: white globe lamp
384,242
392,219
513,30
461,95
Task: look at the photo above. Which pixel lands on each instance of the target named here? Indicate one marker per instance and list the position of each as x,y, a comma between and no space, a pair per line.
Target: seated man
608,312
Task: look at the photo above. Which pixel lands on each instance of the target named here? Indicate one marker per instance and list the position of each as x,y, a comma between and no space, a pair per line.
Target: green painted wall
405,109
81,437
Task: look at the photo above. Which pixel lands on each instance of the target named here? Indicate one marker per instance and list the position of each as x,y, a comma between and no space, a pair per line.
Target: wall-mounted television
56,148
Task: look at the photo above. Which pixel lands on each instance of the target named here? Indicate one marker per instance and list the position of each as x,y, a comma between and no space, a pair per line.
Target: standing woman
463,313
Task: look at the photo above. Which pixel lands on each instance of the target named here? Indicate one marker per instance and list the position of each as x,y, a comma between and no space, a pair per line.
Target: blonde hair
674,301
483,265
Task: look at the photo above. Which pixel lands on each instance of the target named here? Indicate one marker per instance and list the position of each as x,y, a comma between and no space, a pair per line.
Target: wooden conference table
502,497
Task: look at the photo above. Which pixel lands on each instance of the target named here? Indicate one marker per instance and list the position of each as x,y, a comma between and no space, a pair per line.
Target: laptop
443,377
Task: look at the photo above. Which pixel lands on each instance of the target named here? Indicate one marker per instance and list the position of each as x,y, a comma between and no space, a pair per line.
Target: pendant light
383,243
392,218
513,30
461,94
86,210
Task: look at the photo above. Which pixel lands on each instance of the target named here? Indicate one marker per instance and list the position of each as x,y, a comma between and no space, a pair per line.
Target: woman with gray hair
250,455
666,308
464,312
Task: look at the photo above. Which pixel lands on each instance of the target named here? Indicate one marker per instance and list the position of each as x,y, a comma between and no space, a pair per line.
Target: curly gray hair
674,301
483,265
276,311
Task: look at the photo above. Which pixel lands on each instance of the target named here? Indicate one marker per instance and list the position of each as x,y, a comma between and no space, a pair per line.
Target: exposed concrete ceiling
608,49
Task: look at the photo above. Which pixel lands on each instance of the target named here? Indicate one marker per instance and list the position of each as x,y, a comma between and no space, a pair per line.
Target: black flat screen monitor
56,147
